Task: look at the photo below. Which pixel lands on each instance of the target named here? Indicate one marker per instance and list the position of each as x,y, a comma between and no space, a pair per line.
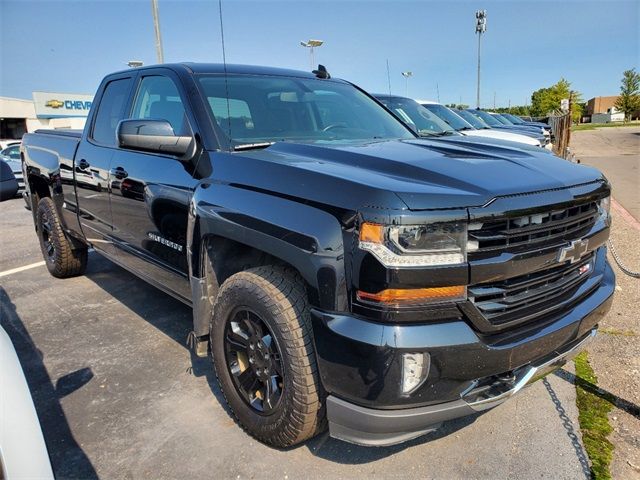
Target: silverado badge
574,251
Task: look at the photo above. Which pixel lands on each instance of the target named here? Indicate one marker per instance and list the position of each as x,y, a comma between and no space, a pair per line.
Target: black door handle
119,173
83,164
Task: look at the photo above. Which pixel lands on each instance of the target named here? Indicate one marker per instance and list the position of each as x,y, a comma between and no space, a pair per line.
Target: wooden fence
561,130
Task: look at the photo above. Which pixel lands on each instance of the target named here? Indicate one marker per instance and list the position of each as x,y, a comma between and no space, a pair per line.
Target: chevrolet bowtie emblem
574,251
54,104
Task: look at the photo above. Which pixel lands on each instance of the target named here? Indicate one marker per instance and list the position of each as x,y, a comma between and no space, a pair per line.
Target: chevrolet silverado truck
343,273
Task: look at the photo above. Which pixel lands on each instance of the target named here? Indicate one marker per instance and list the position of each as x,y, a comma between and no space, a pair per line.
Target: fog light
415,368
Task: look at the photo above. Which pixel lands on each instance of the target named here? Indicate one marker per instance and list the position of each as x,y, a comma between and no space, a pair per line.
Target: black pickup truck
342,271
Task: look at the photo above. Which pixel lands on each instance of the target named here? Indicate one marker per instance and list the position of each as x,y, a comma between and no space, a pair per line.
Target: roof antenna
388,77
226,79
321,72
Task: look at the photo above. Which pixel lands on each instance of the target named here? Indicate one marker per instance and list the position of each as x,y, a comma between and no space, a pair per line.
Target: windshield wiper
252,146
466,128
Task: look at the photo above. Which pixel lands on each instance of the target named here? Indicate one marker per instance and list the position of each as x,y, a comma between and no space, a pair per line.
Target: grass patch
593,413
593,126
615,331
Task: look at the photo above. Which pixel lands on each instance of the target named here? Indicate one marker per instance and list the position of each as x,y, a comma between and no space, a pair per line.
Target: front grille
529,296
531,232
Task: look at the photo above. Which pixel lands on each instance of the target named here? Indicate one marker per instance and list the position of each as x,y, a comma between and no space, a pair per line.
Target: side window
158,99
111,111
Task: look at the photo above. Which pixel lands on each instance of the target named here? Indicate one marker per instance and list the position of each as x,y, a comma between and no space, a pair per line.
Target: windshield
418,117
448,116
515,120
488,119
265,109
472,119
501,119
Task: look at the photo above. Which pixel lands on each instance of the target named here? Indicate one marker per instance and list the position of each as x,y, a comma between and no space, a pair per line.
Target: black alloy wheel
254,361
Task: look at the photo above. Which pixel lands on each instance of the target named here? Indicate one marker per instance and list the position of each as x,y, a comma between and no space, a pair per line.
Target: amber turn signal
414,295
371,232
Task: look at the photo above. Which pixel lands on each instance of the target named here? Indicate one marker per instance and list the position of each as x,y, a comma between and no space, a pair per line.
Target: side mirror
153,136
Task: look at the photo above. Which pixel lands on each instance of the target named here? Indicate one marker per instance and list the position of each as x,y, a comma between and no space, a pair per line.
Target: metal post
406,76
481,27
156,25
478,86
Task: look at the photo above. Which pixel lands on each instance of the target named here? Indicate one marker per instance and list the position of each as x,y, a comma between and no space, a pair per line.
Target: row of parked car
431,119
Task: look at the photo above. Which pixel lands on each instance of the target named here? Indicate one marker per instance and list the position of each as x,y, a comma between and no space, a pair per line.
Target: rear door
92,162
151,192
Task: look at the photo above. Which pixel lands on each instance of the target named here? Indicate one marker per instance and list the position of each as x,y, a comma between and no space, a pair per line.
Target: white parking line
21,269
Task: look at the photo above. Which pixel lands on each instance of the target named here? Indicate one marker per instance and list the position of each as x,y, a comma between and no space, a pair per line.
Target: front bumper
360,367
368,426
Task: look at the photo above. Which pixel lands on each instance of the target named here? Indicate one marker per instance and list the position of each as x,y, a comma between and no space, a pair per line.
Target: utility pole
481,27
156,25
406,76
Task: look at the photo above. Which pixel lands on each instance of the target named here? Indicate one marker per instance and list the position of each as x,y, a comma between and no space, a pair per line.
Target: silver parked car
11,155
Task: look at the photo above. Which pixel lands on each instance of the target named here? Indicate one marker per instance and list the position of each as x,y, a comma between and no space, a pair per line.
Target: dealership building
45,110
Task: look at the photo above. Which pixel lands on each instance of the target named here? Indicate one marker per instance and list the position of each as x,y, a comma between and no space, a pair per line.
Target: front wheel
62,259
262,348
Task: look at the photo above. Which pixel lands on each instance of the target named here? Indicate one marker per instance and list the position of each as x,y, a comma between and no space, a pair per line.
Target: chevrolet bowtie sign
574,251
55,105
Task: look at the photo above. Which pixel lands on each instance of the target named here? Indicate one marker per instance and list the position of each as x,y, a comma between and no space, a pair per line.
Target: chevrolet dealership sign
57,105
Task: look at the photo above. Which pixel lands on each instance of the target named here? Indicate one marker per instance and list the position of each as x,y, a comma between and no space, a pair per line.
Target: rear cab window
110,111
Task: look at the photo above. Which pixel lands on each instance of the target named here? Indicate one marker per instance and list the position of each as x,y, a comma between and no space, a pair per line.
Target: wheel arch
232,229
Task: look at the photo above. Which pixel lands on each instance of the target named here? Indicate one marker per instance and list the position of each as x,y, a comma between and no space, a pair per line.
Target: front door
90,171
150,193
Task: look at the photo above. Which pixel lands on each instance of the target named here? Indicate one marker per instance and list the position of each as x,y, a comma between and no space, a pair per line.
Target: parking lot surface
120,396
616,152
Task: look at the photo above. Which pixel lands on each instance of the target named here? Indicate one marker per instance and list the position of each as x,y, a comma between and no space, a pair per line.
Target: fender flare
306,237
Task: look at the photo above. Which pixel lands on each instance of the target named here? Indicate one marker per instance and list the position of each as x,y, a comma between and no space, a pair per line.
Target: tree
629,100
547,100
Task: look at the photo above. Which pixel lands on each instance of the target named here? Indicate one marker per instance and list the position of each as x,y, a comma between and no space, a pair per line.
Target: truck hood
424,174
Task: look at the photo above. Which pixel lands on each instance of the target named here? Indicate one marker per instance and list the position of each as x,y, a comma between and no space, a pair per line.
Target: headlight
405,246
604,207
416,245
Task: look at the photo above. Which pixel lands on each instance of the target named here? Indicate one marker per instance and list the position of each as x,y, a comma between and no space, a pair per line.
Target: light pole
156,26
406,76
481,27
134,63
311,44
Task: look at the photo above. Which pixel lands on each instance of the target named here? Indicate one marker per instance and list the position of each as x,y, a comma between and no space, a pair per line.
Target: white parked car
23,453
476,129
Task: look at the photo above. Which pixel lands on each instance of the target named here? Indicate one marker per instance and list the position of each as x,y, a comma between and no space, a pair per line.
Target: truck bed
62,132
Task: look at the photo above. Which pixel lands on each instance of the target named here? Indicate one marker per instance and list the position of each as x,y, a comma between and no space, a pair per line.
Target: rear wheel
62,260
262,348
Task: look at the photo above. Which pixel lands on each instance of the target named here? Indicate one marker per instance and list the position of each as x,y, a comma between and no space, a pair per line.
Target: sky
68,46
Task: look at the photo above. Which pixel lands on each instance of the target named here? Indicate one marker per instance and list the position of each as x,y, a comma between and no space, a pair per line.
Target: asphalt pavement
616,152
119,395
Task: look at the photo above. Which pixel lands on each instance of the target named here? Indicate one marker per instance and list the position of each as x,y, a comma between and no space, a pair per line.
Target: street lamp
406,76
311,44
481,27
134,63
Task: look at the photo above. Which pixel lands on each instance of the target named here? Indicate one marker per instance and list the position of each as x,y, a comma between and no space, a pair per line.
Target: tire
62,259
276,296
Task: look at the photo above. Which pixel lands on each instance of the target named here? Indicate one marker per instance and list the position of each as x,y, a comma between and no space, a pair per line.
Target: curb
623,212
